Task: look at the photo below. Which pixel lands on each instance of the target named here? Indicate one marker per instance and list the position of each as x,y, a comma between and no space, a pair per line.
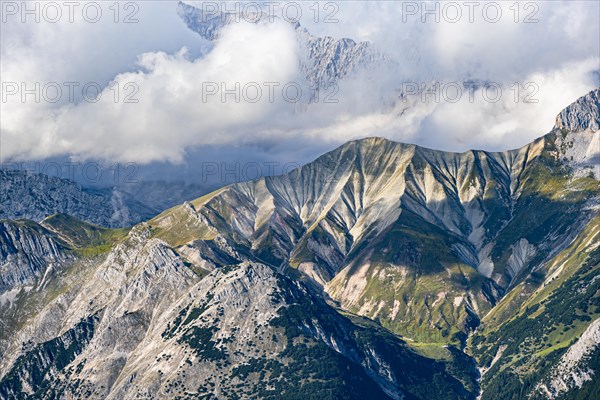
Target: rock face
26,250
374,221
581,115
579,138
37,196
364,274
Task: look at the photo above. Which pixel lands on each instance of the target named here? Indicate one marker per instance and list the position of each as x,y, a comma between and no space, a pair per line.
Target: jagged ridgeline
35,196
380,270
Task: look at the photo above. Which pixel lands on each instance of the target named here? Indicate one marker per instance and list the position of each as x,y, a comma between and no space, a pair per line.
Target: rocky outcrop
577,136
582,114
138,281
26,251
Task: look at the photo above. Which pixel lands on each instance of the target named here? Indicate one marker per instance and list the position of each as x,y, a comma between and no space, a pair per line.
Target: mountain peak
582,114
324,60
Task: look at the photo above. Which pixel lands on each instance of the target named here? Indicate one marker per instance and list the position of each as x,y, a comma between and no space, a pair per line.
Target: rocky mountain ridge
338,220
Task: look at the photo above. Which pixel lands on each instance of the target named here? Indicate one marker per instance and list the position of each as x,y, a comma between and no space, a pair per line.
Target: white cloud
171,67
509,123
170,113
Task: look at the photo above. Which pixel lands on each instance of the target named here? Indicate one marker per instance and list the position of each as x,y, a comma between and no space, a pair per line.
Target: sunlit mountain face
353,200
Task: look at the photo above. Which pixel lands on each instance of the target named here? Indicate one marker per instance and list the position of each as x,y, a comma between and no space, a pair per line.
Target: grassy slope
84,238
551,313
414,272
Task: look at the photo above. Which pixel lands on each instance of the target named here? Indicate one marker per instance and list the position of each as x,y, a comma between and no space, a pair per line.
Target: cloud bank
166,93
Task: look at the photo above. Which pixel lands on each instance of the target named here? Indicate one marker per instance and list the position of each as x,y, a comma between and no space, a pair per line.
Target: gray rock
581,115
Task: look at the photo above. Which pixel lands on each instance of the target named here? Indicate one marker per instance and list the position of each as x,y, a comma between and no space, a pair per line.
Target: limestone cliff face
572,370
26,250
581,115
578,135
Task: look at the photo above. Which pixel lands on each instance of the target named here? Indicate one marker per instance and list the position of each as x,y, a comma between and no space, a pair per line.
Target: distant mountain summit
37,196
577,132
325,60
